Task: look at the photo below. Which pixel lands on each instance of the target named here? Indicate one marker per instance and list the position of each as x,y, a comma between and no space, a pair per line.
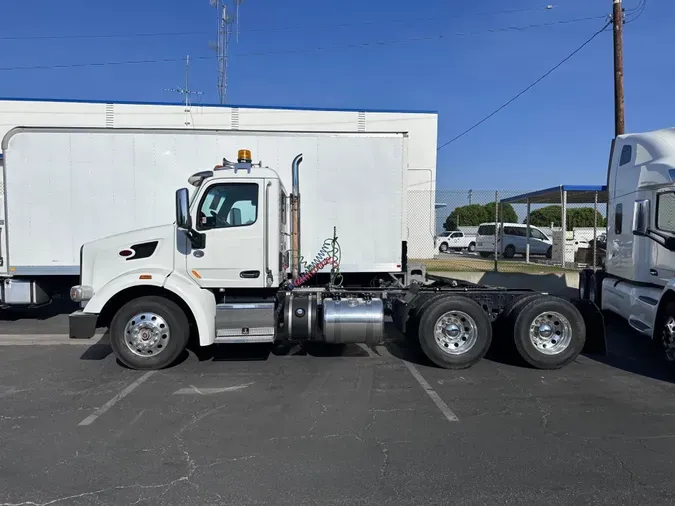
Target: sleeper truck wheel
454,332
149,333
548,332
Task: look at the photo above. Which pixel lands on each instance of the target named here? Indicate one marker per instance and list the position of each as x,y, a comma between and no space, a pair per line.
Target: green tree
576,217
544,216
583,217
506,213
468,216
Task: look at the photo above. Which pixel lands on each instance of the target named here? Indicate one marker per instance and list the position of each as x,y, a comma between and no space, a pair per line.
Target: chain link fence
491,230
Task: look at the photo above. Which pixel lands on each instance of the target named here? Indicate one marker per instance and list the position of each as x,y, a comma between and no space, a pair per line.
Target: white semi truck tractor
230,270
638,281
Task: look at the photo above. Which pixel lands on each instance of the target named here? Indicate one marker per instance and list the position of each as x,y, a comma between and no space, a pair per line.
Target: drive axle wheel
149,333
548,332
454,332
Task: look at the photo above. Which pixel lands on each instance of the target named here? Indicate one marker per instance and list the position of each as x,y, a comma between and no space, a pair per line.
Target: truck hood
107,258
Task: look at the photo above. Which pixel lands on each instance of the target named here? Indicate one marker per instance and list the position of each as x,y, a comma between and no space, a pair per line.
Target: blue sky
559,132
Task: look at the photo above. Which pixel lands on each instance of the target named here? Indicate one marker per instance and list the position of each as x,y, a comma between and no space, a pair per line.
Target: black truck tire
454,332
149,333
548,332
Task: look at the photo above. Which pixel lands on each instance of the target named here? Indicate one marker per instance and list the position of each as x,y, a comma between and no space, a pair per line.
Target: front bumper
82,325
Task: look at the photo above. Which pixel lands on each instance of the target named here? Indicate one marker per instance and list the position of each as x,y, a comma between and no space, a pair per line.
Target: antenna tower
227,15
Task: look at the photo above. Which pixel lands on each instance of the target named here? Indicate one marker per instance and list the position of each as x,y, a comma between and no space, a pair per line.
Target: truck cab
230,233
637,282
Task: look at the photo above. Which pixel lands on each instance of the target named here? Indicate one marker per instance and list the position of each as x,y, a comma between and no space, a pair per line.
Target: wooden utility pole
619,115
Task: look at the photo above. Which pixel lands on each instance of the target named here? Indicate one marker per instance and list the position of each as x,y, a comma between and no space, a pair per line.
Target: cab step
245,323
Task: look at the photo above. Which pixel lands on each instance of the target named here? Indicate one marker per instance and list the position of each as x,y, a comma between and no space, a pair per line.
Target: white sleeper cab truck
230,270
637,280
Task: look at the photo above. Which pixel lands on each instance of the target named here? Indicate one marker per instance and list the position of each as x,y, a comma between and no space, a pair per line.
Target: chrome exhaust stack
295,218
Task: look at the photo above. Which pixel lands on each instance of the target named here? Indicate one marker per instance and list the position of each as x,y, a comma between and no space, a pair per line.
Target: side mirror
183,219
640,217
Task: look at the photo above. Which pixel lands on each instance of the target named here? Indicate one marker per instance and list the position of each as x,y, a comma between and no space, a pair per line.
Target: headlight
81,293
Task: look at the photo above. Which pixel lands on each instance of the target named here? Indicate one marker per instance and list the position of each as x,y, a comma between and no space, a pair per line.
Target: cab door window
228,205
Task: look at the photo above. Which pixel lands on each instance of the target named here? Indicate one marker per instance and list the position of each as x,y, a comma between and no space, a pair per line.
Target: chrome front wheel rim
551,333
455,332
668,339
146,334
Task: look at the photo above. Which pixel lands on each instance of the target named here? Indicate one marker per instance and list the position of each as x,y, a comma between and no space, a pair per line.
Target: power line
302,50
506,104
269,29
633,14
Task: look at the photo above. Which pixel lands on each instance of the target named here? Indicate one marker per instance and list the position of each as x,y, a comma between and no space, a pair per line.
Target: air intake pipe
295,218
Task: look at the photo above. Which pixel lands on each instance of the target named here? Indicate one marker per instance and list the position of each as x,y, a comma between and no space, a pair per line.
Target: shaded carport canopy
576,194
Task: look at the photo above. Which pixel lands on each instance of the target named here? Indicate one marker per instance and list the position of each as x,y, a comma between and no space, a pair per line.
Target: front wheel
149,333
443,248
454,332
548,332
549,252
666,333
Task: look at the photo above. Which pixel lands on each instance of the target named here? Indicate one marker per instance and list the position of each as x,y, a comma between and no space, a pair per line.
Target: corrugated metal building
421,127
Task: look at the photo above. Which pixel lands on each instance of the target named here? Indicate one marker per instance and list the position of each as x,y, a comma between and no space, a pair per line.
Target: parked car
455,241
512,240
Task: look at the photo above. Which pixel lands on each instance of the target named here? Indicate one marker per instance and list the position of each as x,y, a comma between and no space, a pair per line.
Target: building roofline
240,106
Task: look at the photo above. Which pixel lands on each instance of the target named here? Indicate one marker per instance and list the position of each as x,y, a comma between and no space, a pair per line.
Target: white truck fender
201,302
129,279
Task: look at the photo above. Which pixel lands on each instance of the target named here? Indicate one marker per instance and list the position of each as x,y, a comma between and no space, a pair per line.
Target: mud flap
595,327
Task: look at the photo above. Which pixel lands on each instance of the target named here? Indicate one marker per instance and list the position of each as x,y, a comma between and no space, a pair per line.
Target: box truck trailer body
421,127
63,187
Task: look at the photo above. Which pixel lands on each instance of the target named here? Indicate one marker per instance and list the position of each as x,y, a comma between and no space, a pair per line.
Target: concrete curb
47,340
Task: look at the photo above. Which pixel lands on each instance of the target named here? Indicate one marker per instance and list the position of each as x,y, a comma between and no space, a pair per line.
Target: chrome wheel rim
146,334
550,333
668,339
444,248
455,332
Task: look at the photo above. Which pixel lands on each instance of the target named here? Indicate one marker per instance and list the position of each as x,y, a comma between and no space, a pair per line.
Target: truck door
231,217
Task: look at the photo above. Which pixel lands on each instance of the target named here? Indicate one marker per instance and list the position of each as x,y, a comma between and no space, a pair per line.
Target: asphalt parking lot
351,425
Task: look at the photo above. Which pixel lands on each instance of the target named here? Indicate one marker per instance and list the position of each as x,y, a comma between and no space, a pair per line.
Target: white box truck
223,271
638,280
63,187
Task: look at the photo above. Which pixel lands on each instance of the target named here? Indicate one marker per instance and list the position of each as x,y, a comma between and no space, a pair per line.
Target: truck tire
443,247
149,333
454,332
548,332
584,278
509,251
595,289
472,247
664,335
549,252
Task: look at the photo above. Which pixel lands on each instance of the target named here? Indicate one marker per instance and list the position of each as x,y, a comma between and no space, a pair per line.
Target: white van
512,240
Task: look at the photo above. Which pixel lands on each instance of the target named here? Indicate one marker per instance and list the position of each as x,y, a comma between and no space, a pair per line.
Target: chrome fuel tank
353,320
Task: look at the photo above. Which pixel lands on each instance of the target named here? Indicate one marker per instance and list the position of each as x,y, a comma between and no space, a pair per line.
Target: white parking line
98,412
367,349
447,412
208,391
